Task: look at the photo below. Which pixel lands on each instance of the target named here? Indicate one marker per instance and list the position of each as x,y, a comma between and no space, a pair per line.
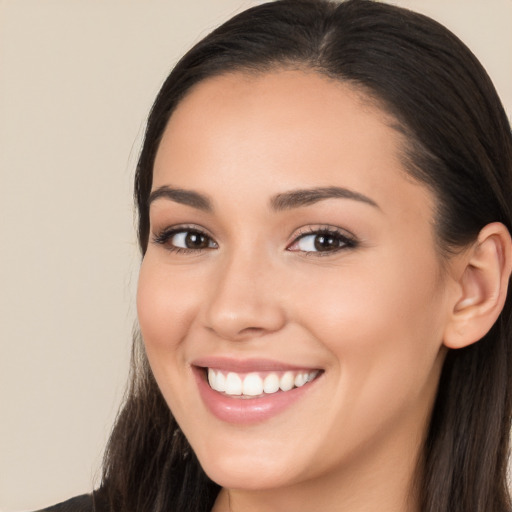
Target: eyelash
346,241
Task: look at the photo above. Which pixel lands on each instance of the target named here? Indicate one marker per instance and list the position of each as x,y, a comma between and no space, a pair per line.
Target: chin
248,478
250,470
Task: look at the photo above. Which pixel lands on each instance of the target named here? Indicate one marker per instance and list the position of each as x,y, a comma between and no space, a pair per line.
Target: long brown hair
459,145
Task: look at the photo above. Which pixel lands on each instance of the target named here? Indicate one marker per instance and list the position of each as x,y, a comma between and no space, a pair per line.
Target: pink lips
240,411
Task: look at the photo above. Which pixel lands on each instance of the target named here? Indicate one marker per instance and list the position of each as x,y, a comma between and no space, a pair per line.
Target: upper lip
238,365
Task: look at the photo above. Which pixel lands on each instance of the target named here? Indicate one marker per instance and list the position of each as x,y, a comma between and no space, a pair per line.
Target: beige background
77,78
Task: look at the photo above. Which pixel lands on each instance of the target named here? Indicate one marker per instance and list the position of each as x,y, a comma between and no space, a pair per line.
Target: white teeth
220,382
255,385
233,384
211,379
217,380
287,381
312,375
300,380
271,383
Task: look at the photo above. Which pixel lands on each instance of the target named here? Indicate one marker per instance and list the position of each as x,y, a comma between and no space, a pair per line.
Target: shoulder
83,503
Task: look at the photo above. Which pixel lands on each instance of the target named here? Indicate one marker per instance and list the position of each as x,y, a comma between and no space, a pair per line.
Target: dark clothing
83,503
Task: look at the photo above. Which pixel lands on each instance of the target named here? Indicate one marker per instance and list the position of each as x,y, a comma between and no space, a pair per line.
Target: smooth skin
372,304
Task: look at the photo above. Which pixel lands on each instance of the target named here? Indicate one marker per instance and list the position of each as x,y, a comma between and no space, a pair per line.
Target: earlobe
483,285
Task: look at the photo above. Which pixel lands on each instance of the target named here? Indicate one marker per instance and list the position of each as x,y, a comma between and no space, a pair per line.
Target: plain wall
77,78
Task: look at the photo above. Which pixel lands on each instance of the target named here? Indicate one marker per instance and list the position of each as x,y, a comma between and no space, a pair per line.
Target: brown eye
322,242
183,240
194,240
327,242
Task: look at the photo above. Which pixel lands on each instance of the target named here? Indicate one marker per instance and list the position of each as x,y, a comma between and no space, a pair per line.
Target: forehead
280,130
282,99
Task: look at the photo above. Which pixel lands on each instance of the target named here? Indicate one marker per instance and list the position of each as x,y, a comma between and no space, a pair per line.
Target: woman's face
289,249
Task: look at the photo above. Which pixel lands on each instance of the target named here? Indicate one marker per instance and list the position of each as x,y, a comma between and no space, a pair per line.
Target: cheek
165,313
384,333
382,322
164,307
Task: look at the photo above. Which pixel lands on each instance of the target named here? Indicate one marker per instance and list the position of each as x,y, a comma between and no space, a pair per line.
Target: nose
245,300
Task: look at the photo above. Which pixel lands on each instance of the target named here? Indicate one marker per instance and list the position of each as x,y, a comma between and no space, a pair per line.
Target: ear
482,287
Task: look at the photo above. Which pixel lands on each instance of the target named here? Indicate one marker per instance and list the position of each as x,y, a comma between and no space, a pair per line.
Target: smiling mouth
258,384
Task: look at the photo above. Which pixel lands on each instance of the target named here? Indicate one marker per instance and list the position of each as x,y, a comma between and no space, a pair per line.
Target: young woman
324,198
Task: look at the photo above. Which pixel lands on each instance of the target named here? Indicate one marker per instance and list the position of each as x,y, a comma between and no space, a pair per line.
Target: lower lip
244,411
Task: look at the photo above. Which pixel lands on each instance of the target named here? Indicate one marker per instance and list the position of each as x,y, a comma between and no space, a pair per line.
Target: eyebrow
179,195
305,197
280,202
